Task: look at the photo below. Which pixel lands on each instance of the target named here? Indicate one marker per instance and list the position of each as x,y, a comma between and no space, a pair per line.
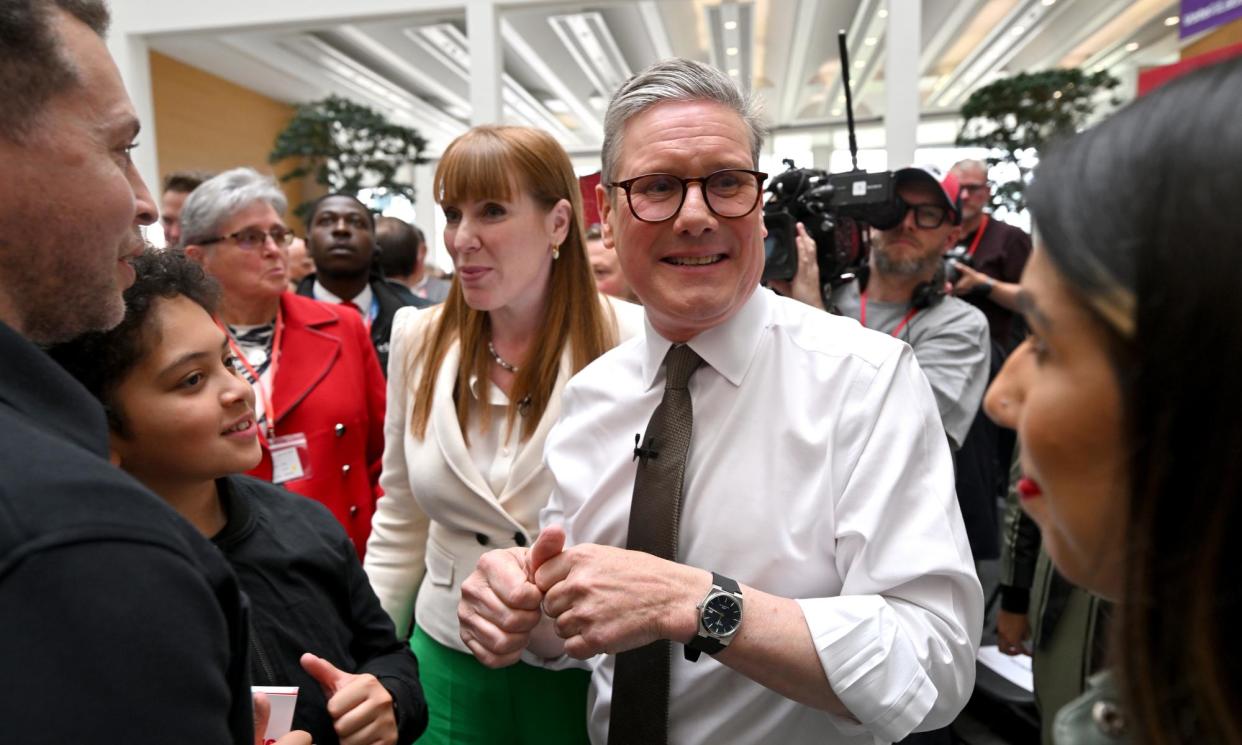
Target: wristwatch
720,616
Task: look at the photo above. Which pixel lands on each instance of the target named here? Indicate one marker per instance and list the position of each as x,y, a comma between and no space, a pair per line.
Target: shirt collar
727,348
363,299
495,396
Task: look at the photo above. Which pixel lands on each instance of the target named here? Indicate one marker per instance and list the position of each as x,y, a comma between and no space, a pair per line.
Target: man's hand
607,599
262,715
500,603
805,286
970,280
360,706
1012,632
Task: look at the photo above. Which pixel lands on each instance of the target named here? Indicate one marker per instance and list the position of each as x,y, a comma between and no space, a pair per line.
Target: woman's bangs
468,171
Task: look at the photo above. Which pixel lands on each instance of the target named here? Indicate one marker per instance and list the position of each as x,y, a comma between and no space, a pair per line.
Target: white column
133,60
822,156
425,212
483,29
901,80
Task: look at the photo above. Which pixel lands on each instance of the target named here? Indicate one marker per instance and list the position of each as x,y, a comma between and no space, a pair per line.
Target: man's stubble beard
59,301
886,264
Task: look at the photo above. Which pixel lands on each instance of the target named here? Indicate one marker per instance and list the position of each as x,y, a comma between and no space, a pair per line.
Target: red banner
1154,77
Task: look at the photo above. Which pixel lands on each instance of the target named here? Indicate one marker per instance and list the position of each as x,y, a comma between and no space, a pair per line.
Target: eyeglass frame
907,208
236,238
760,177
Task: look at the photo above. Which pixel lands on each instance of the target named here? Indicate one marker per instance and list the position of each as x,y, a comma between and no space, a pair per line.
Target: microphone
646,451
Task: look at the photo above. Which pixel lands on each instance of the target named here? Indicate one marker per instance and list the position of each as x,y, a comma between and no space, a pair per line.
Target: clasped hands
583,600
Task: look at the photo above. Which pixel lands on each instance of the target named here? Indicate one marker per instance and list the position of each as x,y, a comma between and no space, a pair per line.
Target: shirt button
353,510
1108,718
519,539
482,539
345,468
339,429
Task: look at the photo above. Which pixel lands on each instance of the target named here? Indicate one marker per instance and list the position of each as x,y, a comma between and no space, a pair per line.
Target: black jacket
119,623
308,594
391,296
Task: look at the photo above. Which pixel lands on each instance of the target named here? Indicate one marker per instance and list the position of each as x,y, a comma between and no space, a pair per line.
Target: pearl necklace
504,364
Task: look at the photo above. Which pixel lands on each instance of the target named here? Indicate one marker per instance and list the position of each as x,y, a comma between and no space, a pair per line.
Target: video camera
835,208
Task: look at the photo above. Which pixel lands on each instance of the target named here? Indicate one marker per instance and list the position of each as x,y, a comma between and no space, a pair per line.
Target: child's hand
361,707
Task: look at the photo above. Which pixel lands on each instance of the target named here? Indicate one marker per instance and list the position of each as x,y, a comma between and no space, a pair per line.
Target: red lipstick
1028,488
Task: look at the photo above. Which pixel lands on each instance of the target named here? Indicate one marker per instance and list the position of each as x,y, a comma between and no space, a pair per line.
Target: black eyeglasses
926,216
252,239
657,197
972,188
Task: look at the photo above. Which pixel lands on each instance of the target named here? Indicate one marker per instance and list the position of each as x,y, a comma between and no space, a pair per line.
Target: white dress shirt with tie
818,470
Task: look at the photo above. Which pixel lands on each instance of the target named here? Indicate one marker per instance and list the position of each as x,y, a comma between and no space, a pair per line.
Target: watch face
721,615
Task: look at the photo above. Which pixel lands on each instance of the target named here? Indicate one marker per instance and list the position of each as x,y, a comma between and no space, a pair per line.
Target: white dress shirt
364,301
818,470
493,449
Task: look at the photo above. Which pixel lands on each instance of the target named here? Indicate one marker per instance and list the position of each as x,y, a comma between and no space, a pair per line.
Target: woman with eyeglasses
474,388
319,390
1127,404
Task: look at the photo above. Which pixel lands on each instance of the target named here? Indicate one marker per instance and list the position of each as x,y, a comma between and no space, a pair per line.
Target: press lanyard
974,245
268,410
862,315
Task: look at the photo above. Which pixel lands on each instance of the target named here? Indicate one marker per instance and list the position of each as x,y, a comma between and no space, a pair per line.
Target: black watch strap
710,645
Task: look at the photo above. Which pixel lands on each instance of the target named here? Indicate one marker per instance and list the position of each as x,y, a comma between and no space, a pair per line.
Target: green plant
1016,117
347,147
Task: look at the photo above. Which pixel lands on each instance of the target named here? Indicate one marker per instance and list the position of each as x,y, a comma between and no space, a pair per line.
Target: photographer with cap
902,292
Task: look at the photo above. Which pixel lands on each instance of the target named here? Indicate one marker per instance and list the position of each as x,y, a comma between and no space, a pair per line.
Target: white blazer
438,515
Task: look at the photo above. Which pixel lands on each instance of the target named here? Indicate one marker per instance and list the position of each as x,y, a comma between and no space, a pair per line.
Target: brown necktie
641,681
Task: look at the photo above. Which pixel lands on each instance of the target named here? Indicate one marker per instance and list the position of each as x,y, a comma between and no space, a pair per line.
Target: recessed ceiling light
731,51
1056,94
1048,3
870,41
883,13
734,71
730,25
836,112
860,63
1172,21
1132,46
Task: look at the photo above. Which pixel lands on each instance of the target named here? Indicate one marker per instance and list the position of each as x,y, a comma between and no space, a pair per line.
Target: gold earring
556,252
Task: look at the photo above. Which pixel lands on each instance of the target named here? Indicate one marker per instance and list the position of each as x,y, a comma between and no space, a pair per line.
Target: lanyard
974,245
862,315
268,410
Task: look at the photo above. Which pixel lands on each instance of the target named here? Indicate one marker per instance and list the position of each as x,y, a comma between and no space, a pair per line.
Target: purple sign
1201,15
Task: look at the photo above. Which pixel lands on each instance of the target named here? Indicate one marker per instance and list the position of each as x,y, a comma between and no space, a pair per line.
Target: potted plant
346,147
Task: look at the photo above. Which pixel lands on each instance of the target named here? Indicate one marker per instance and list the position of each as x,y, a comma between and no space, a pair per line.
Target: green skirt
469,703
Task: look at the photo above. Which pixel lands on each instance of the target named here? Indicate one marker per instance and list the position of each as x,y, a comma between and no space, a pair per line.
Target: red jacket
329,387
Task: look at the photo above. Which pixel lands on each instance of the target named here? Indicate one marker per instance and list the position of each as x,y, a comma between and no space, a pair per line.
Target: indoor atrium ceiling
561,60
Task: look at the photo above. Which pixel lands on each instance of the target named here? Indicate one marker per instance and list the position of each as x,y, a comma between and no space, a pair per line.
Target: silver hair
677,79
970,163
220,197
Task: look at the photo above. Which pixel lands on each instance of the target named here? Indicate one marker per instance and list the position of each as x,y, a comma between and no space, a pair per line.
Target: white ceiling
561,60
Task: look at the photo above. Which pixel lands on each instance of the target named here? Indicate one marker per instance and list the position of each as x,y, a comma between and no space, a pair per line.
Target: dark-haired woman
1127,403
474,387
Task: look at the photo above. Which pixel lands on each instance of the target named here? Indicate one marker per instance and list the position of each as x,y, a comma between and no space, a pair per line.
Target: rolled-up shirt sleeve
898,644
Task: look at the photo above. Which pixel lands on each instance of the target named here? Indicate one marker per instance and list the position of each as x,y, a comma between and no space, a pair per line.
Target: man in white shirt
817,513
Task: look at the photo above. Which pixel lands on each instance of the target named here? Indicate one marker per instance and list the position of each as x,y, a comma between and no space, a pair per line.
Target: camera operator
990,256
903,294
